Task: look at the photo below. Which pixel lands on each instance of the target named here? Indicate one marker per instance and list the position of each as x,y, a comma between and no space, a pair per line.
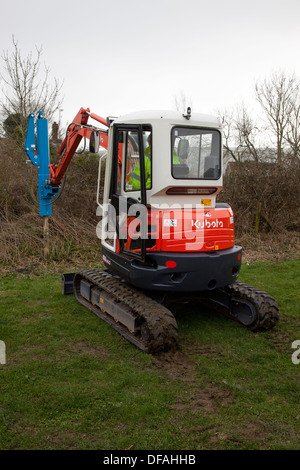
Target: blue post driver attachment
40,157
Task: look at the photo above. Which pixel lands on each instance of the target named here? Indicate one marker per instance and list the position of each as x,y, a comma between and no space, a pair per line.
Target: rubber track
160,321
265,305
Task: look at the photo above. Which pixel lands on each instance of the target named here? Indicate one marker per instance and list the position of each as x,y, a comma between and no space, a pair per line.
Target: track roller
253,308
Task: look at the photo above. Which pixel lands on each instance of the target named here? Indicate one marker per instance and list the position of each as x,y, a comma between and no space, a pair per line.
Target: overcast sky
121,56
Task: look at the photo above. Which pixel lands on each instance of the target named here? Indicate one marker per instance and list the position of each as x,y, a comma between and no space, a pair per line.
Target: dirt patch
282,342
195,397
212,351
251,432
38,353
283,336
207,399
84,347
67,440
175,365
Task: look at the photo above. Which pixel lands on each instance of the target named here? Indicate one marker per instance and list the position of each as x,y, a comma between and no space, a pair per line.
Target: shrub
274,186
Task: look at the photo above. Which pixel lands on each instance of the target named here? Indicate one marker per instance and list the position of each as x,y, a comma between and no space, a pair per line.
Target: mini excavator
164,237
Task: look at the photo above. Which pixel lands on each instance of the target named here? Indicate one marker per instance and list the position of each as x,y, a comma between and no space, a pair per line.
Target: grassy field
71,382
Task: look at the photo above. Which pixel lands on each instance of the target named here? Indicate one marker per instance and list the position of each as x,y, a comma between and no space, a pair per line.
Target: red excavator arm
75,132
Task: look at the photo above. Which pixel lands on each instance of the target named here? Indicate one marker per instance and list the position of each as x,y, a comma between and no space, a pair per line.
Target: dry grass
72,243
270,246
73,239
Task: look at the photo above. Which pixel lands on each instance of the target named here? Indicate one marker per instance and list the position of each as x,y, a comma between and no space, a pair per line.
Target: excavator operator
135,177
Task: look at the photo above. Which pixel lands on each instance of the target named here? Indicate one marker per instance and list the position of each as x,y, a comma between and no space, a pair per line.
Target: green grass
71,382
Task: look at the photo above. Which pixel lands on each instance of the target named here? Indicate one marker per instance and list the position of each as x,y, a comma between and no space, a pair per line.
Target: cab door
128,191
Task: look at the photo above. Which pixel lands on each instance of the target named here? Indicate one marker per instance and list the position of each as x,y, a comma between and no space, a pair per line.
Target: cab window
196,153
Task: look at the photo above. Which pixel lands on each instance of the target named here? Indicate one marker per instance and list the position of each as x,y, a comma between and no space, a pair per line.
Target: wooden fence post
46,237
257,220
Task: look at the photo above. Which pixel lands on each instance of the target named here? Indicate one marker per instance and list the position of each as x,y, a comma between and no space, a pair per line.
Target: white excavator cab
184,153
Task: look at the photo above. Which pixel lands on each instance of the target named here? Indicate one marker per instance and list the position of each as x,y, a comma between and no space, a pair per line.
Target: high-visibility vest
176,160
135,177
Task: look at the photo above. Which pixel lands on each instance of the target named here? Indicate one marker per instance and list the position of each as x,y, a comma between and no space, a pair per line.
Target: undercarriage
146,320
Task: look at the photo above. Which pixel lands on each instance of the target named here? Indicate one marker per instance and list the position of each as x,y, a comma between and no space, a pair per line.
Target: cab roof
173,117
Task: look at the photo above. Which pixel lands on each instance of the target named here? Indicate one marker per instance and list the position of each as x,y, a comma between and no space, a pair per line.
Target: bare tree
292,135
277,95
27,89
247,130
240,132
229,143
